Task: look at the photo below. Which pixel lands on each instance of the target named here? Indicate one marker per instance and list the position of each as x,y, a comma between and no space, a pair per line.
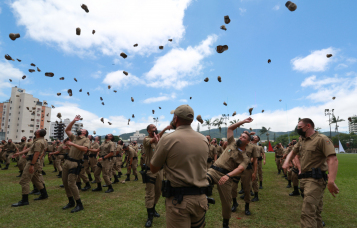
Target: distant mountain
215,133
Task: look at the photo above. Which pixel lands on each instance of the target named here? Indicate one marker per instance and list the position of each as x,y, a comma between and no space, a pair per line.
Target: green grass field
125,206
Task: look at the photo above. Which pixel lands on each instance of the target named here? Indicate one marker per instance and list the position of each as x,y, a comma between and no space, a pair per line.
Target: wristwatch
32,164
228,176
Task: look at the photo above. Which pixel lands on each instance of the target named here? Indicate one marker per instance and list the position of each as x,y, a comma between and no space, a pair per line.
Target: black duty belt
260,158
29,157
224,171
278,156
189,191
85,157
135,158
250,166
93,155
316,174
11,151
74,160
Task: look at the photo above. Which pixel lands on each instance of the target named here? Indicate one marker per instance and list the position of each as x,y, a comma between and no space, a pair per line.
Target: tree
218,122
198,127
335,120
208,123
318,129
264,130
236,121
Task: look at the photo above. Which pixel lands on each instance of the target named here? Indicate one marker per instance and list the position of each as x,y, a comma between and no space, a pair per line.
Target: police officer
60,153
278,155
183,155
258,164
22,161
212,154
104,163
93,155
231,163
261,161
50,148
317,155
2,151
153,181
10,149
130,154
86,161
218,147
31,168
72,166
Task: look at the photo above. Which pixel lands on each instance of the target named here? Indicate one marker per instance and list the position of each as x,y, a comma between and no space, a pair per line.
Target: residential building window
17,131
18,118
9,114
31,131
10,108
8,126
9,120
19,112
38,114
17,124
20,106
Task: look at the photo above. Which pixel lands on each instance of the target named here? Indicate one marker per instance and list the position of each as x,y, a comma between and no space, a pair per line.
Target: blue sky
296,42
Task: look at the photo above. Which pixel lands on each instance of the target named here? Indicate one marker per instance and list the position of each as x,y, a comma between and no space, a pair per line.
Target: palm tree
208,123
218,122
264,130
335,121
233,122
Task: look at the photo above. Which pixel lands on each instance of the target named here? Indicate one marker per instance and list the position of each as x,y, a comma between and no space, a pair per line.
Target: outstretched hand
78,117
248,120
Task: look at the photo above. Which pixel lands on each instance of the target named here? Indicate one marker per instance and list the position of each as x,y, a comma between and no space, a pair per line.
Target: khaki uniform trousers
189,213
27,177
153,191
142,159
86,166
119,163
83,175
93,163
1,155
22,163
289,174
133,167
40,170
234,191
223,190
59,160
246,180
103,166
313,202
116,166
295,179
8,157
69,179
278,163
260,170
50,157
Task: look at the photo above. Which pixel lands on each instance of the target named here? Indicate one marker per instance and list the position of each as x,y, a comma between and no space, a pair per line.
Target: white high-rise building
22,115
54,126
352,127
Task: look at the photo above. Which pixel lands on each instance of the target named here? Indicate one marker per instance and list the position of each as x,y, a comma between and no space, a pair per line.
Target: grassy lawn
125,206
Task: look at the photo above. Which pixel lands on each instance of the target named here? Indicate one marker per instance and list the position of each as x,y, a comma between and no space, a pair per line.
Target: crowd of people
182,166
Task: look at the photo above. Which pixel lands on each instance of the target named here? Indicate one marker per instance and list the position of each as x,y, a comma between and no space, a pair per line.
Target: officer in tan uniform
31,168
60,154
104,163
232,162
278,155
72,166
142,156
255,141
2,151
86,162
183,155
22,161
50,148
10,150
219,148
153,181
117,162
261,160
288,172
93,155
212,154
130,154
318,156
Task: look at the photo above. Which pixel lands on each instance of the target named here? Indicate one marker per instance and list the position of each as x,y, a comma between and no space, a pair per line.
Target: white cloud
118,24
118,79
179,67
8,71
351,60
183,100
161,98
341,66
97,74
242,11
315,62
311,81
277,7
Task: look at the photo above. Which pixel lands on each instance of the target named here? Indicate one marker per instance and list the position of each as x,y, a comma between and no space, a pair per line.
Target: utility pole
328,113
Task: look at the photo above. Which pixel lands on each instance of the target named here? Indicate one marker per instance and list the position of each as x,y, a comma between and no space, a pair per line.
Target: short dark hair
147,128
258,137
42,133
308,121
249,138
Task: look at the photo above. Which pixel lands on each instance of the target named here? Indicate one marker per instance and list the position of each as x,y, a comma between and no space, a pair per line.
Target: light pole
328,113
156,120
226,117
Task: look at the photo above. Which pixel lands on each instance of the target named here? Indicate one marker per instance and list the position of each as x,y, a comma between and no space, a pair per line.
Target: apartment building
55,128
352,127
22,115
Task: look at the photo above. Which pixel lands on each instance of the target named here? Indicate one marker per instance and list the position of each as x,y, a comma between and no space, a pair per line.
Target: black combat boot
70,204
20,174
61,186
295,192
323,223
79,185
119,174
79,206
289,184
235,205
261,185
241,189
256,198
43,173
128,177
279,172
35,190
136,178
59,174
156,215
110,189
225,223
6,167
242,196
98,189
23,202
251,193
247,212
116,180
50,163
43,194
55,171
90,177
150,217
87,187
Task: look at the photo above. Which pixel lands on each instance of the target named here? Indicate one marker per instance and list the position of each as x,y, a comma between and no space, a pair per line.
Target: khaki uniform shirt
130,153
149,149
94,145
212,151
50,148
106,148
313,152
279,151
81,141
184,154
11,147
119,150
38,145
61,150
21,146
252,150
232,157
219,150
4,147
